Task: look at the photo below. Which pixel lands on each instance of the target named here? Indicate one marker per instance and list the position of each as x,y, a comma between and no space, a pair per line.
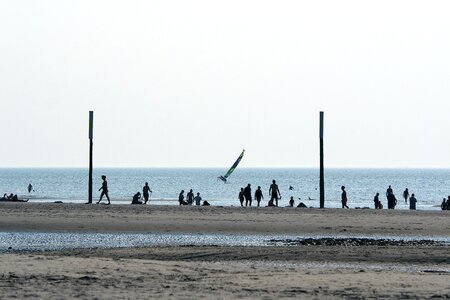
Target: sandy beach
217,272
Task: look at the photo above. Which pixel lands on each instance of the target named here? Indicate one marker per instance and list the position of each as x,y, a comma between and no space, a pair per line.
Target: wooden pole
322,181
91,146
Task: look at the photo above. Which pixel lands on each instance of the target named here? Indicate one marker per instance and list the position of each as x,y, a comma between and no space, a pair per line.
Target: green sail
233,167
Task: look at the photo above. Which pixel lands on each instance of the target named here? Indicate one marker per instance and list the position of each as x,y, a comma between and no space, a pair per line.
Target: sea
430,186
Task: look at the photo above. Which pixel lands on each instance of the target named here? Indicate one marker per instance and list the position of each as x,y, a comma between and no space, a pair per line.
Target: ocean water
70,185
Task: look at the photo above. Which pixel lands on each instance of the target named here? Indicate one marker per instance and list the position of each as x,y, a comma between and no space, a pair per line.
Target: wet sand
217,272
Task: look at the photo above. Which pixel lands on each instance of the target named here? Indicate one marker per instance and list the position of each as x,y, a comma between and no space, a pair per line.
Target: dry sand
217,272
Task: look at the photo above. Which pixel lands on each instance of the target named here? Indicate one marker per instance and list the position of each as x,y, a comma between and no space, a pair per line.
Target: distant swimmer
181,198
136,198
344,197
291,188
406,195
274,192
104,190
30,188
309,198
198,199
146,191
258,195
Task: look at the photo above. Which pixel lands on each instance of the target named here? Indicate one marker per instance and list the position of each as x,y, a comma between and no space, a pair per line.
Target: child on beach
104,190
241,196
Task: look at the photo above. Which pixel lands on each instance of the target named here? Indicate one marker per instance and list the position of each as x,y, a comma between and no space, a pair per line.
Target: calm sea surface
70,185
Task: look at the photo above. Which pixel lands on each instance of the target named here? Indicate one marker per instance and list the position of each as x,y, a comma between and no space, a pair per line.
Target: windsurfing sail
233,167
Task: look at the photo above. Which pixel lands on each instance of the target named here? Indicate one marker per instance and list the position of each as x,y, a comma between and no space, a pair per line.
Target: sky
192,83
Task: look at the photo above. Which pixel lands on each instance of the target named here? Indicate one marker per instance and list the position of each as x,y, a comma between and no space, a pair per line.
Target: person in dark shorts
136,198
258,195
344,197
248,195
274,192
241,196
104,190
146,192
181,198
190,197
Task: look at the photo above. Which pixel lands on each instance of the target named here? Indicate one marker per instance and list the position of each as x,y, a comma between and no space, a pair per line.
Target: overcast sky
192,83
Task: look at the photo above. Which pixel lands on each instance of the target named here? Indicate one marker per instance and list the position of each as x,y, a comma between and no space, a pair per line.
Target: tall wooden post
322,181
91,146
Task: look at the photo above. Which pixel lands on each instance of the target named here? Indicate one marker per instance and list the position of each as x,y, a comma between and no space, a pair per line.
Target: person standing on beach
344,197
104,190
274,192
406,195
145,191
389,191
258,195
412,202
248,195
197,199
190,197
377,202
30,188
241,197
291,201
181,198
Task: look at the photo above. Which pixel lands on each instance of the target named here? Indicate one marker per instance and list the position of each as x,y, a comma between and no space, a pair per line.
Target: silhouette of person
291,188
344,197
392,201
389,191
443,205
206,203
190,197
104,190
30,188
412,202
145,191
258,195
291,202
405,195
136,198
376,201
181,198
274,192
198,199
241,196
248,195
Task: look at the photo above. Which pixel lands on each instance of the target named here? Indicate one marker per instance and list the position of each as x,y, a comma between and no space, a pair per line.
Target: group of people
246,194
12,197
190,199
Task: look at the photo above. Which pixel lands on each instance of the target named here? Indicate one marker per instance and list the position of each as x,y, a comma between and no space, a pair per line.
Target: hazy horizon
192,83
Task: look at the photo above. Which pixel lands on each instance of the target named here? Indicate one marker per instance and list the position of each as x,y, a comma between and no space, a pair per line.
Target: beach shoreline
190,271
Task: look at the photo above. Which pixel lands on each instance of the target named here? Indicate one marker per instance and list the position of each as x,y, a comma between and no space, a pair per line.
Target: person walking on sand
406,195
181,198
412,202
258,195
104,190
241,197
274,192
190,197
344,197
248,195
146,191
